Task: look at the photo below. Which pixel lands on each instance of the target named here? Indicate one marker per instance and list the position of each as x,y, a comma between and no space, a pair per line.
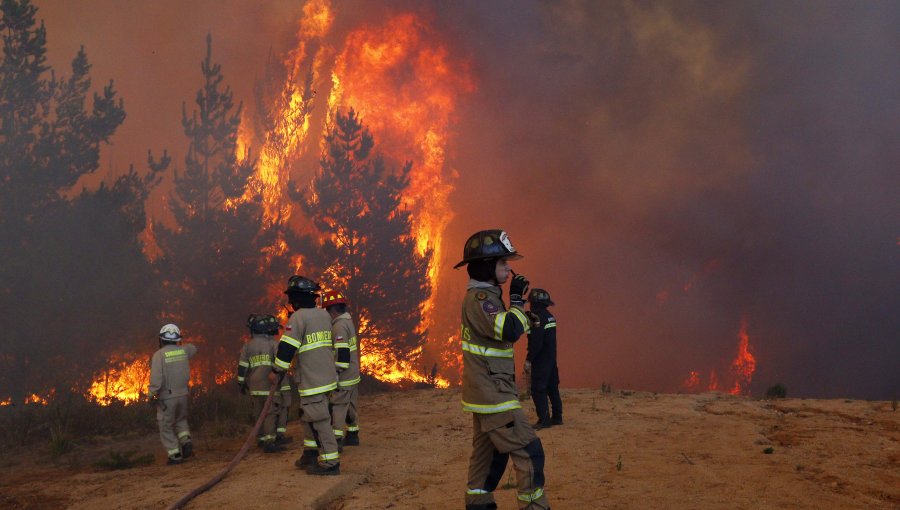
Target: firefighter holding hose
308,336
254,366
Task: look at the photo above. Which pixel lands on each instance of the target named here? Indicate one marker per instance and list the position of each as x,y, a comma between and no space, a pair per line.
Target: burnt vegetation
78,285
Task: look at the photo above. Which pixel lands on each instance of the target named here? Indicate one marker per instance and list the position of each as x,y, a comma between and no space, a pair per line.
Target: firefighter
500,428
254,366
170,373
344,413
540,361
308,336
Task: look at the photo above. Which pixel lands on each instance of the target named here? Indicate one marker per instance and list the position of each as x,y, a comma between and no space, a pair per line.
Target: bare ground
619,450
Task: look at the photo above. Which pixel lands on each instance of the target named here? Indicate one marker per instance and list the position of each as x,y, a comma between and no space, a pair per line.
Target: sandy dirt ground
618,450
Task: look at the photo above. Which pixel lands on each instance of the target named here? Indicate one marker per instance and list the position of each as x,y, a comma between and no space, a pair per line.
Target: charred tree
367,248
216,259
72,274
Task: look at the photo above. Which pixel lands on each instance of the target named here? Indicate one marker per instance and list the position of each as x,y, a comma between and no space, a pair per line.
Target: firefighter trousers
495,439
344,415
267,431
544,387
317,422
171,416
284,410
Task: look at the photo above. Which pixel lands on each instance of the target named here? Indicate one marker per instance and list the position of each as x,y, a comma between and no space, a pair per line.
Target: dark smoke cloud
668,169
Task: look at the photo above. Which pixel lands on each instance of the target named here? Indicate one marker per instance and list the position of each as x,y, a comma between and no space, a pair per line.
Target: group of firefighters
321,346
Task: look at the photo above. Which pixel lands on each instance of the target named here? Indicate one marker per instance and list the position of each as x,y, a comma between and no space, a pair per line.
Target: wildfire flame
741,369
399,75
124,379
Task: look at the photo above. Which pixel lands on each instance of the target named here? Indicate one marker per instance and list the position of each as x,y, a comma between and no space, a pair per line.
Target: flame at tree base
741,369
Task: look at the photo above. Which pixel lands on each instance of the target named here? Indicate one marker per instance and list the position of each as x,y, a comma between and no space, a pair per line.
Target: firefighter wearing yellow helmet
344,414
499,426
308,336
170,373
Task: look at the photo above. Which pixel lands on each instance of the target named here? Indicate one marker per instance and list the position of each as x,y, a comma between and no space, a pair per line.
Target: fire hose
234,462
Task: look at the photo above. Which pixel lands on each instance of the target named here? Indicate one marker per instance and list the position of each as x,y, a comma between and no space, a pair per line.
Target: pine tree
216,259
72,275
367,249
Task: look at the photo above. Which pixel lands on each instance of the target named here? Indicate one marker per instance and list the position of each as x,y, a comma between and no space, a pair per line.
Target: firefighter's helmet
333,297
302,284
540,296
170,333
488,244
263,324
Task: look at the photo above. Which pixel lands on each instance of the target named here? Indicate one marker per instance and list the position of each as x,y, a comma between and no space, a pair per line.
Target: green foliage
776,391
355,201
123,460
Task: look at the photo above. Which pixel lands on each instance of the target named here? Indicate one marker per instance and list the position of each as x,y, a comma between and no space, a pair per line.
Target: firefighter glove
517,290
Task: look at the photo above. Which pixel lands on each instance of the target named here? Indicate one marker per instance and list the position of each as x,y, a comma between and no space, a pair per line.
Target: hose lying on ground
234,462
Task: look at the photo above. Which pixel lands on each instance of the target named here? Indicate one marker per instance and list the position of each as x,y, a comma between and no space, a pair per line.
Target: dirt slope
621,450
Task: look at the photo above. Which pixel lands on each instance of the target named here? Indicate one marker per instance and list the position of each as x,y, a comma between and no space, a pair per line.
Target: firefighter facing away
541,361
344,415
170,373
308,336
254,366
499,427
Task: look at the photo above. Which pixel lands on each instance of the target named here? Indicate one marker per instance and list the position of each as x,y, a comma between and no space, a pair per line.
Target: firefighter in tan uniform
344,415
254,367
170,373
308,336
500,428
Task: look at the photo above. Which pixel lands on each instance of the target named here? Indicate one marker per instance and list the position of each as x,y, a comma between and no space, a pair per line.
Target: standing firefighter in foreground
344,411
170,373
308,336
500,428
541,361
254,367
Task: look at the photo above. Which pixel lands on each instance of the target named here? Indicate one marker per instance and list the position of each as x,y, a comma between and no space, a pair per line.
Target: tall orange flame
741,369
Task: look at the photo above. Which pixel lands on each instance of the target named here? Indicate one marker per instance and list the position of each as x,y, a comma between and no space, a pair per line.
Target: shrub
776,391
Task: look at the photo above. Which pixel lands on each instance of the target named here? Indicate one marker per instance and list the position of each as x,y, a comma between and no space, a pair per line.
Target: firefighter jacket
170,371
257,357
488,332
347,361
542,339
308,336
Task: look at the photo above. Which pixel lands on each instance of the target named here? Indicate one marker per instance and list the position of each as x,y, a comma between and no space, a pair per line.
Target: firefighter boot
273,447
307,459
187,449
484,506
318,469
175,459
352,438
283,439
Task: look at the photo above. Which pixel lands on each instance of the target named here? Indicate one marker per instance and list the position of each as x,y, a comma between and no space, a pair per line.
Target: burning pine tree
213,258
366,245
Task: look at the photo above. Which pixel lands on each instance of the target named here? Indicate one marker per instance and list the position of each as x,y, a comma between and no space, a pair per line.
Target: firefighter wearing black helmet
541,361
257,357
499,426
308,336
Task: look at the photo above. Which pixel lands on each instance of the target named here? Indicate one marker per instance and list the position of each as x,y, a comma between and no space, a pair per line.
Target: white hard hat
170,333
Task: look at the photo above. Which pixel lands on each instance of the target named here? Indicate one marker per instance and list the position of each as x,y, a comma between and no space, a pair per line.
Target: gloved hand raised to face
518,287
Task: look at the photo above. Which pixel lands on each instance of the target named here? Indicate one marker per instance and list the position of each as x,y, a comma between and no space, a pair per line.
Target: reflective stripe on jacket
488,332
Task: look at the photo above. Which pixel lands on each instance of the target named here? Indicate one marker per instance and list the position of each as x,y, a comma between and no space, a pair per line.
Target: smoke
668,169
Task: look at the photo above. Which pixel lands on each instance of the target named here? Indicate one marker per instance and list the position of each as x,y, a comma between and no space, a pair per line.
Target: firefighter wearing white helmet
170,373
499,427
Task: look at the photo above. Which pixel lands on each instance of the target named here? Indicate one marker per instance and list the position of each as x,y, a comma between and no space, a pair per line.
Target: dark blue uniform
544,371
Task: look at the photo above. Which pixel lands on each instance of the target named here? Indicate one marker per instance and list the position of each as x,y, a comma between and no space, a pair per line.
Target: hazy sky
669,169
